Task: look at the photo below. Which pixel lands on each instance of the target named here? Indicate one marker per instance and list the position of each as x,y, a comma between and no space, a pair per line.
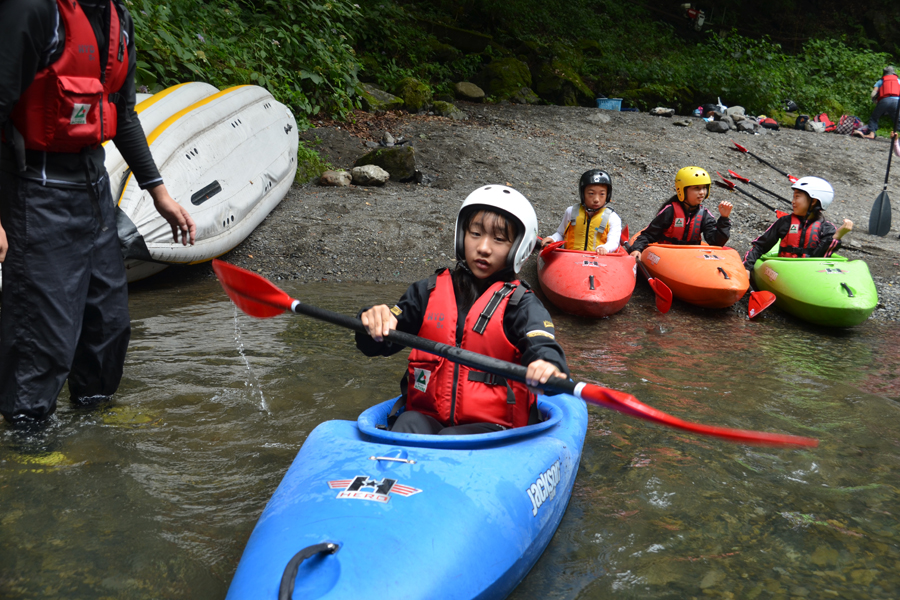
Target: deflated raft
585,283
708,276
826,291
229,159
415,516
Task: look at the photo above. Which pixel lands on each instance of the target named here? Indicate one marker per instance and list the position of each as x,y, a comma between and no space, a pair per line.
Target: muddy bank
403,231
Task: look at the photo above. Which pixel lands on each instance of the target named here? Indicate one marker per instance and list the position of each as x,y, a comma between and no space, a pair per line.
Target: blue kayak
363,510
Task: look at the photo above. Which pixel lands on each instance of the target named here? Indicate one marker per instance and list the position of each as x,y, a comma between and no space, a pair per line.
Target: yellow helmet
689,176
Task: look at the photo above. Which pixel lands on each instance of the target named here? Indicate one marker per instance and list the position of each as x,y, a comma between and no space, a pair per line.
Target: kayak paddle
757,186
768,164
730,185
259,297
551,247
880,217
759,301
662,291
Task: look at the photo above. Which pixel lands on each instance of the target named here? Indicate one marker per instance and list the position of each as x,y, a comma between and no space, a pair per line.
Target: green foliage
299,51
309,164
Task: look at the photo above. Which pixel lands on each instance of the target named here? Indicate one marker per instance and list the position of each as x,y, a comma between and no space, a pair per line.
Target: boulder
682,123
729,121
659,111
717,126
748,125
735,110
415,94
525,96
399,161
369,175
558,83
335,178
448,109
504,77
465,90
374,98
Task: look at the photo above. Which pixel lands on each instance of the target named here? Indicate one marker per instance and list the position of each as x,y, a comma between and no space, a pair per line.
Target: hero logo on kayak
544,488
363,487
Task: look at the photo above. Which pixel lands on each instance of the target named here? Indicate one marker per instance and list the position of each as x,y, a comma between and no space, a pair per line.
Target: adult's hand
378,321
176,215
4,246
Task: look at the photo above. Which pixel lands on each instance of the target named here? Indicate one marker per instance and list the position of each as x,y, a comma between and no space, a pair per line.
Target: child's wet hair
493,222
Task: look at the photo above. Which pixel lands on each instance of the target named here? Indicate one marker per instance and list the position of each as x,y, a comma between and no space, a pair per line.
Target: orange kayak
709,276
585,283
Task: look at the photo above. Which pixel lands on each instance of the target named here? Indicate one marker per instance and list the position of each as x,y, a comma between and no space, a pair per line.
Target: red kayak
586,283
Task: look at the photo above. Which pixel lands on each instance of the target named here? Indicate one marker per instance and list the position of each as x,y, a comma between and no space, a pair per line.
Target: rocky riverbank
402,231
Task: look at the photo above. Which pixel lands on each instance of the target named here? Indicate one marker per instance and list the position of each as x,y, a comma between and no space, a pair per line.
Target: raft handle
592,282
849,291
393,459
724,274
286,591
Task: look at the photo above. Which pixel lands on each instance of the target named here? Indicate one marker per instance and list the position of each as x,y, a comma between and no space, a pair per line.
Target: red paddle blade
728,182
624,237
780,213
739,147
759,301
252,293
663,294
792,178
629,405
738,177
551,247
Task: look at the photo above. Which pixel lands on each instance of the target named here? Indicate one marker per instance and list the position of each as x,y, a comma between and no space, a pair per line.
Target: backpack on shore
847,124
823,118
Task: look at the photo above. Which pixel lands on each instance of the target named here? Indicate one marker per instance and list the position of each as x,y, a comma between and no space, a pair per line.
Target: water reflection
155,495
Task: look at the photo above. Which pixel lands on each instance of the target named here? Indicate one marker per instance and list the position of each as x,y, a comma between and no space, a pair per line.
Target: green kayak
826,291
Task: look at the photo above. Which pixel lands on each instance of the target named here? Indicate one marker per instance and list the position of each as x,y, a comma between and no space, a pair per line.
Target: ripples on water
155,495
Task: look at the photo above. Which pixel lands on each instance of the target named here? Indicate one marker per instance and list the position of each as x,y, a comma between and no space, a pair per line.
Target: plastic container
609,103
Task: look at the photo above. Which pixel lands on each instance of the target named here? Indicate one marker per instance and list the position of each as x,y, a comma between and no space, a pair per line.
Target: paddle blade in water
252,293
759,301
880,217
663,294
629,405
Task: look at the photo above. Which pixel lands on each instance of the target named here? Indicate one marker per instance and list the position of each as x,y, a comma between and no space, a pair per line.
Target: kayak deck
586,283
707,276
422,516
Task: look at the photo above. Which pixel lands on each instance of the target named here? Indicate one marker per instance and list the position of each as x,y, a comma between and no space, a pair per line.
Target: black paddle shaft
745,192
452,353
880,217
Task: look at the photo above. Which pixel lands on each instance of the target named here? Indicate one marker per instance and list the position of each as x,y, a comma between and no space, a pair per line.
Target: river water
155,495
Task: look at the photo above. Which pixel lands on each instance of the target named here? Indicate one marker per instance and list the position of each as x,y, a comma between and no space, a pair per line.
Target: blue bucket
609,103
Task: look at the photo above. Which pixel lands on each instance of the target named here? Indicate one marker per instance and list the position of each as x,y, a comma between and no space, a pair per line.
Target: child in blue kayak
682,219
591,225
479,306
805,232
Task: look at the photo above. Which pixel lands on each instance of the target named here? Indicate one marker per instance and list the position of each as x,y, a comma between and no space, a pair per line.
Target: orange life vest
68,107
455,394
890,86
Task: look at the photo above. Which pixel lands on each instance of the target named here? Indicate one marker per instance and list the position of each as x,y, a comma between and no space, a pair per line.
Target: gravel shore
403,231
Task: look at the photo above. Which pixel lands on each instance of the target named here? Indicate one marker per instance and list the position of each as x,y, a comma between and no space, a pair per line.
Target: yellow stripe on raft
142,106
168,123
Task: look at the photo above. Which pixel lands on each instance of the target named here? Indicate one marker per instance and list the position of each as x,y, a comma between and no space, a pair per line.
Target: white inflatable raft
229,158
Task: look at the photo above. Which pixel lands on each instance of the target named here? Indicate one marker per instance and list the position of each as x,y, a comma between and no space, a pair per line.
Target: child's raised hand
844,229
725,208
378,321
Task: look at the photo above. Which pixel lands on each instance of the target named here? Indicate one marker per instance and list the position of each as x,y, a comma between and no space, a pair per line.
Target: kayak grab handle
286,591
592,282
724,274
393,459
849,291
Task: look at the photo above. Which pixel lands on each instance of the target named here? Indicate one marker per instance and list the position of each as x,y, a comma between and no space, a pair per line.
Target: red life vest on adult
802,238
890,86
68,107
683,230
455,394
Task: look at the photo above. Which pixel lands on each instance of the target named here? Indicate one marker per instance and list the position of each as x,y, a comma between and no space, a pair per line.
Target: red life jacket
683,230
455,394
802,238
67,107
890,86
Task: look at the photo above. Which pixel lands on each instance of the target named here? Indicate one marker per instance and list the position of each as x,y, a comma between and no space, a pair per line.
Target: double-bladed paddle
768,164
662,291
757,186
259,297
880,217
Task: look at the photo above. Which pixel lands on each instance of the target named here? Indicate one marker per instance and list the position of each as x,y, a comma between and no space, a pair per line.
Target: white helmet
817,188
511,204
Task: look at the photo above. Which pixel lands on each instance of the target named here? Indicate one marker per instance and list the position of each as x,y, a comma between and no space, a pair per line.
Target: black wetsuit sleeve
654,231
767,241
716,232
130,138
411,309
827,243
530,328
27,28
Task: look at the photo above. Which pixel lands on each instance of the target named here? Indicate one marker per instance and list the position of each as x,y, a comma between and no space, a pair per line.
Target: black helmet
595,177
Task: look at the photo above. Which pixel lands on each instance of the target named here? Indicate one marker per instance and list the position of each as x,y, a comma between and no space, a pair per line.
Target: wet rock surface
401,232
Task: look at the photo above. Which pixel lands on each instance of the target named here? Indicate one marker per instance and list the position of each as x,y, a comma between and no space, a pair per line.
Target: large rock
335,178
558,83
399,161
369,175
661,111
447,109
735,110
466,90
525,96
415,94
374,98
717,126
504,77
